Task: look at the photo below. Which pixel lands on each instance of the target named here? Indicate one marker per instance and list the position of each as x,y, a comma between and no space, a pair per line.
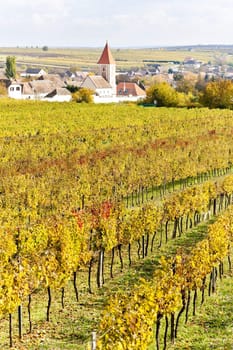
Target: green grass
212,327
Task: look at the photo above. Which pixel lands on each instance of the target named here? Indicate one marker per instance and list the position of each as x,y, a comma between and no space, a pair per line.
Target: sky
124,23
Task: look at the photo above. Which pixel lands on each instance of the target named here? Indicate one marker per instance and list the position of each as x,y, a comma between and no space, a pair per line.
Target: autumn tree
162,94
218,94
3,90
83,95
201,82
187,83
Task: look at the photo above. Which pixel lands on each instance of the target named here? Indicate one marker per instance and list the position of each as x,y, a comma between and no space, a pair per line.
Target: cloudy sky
123,23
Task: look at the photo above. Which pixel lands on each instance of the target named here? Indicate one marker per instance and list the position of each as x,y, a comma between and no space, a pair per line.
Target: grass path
212,327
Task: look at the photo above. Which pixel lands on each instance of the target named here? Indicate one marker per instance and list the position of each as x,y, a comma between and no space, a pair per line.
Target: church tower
107,67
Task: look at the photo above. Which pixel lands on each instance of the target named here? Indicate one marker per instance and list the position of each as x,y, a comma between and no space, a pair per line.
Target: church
104,84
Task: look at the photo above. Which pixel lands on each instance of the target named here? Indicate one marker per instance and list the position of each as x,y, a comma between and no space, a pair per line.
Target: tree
162,94
10,67
83,95
187,83
218,94
201,82
3,90
45,48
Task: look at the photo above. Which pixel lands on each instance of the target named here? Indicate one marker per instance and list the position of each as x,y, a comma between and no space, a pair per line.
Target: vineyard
90,195
86,58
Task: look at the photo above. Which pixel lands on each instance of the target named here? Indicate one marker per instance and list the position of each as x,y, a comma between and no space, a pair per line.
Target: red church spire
106,57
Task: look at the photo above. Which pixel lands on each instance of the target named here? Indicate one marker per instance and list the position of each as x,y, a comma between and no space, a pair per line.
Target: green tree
10,67
218,94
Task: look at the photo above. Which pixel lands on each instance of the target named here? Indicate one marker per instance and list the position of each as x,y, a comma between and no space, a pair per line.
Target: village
108,84
37,84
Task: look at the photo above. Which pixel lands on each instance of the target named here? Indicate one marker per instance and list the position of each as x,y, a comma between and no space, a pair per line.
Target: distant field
86,58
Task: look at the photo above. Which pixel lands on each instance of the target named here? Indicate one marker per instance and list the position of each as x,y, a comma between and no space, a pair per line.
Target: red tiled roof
106,57
128,88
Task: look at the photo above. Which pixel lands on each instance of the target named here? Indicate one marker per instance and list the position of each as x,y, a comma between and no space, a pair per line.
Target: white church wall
116,99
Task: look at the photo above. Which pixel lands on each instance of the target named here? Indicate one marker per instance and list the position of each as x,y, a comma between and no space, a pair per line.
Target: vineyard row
128,320
47,255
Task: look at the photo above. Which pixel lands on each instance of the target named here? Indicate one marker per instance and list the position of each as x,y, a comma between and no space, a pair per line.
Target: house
33,72
15,90
80,76
189,62
44,90
130,89
68,74
54,78
59,95
74,76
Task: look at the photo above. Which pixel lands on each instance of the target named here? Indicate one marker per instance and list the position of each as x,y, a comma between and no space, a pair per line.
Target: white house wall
15,91
57,98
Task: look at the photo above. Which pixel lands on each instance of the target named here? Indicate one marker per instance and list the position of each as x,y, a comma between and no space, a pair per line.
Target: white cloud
124,22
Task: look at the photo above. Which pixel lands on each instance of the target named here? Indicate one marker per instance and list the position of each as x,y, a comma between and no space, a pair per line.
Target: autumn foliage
80,182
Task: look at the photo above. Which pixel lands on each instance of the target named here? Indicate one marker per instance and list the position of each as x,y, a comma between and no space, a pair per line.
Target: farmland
126,58
92,197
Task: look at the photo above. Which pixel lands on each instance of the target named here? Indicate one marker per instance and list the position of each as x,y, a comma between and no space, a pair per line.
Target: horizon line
112,46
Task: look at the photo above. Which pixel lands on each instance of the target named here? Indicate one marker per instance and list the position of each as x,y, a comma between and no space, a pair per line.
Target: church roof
98,81
106,57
